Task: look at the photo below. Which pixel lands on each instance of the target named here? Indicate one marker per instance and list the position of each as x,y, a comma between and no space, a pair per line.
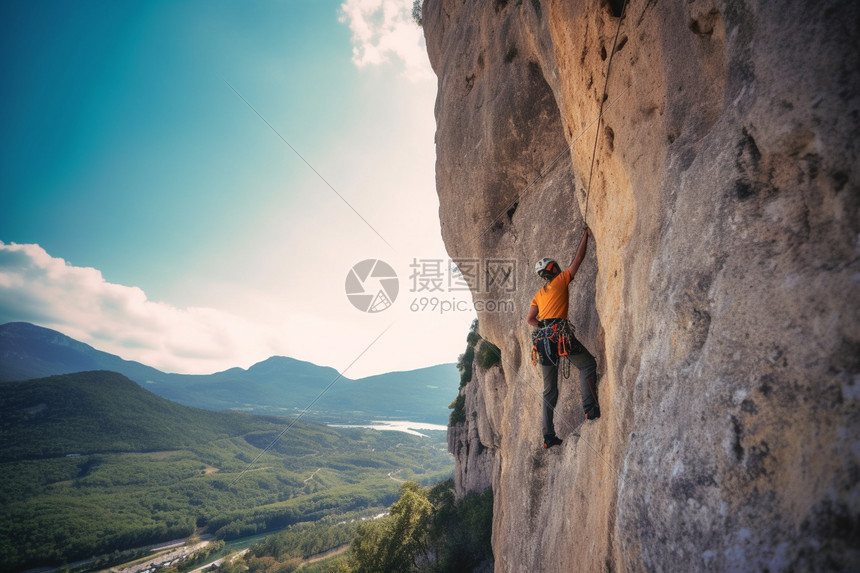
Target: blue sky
148,211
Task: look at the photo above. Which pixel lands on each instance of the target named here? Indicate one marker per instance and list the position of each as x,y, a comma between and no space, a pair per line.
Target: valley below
95,466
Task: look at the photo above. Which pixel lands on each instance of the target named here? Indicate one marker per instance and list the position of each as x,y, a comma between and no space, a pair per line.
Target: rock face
474,442
720,290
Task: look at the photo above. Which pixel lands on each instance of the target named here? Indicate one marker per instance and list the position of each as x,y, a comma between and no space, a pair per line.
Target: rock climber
548,314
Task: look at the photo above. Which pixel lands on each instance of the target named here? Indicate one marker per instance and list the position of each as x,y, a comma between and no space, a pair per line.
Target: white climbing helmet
547,267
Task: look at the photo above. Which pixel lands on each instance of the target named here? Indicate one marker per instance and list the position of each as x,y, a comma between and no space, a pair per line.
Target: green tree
417,16
458,410
397,542
366,550
465,360
410,516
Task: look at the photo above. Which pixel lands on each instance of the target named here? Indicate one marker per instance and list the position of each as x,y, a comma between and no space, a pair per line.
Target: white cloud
77,301
384,29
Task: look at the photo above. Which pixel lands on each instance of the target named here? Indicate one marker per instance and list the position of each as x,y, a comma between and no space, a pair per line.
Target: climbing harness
600,115
553,342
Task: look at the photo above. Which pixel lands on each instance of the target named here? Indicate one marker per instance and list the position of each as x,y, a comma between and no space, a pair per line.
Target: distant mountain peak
278,385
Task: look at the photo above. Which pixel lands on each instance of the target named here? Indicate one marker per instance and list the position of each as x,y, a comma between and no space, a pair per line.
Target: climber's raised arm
580,254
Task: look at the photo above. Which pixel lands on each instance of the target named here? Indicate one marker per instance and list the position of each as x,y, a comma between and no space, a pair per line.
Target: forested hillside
99,412
92,464
426,530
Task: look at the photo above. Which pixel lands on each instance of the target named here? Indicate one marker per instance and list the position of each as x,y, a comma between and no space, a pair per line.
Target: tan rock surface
720,292
473,442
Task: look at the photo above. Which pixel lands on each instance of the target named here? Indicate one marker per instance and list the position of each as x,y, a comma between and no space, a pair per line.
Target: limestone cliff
719,293
474,440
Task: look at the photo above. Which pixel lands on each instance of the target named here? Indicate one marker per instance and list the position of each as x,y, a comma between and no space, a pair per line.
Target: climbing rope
604,107
543,172
600,115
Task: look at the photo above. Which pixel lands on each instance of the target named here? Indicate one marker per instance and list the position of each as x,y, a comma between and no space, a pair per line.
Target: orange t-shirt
552,300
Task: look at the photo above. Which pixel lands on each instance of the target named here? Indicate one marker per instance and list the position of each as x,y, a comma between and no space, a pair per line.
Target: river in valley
397,426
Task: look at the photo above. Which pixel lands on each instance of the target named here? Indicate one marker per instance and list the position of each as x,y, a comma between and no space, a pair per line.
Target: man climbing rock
554,339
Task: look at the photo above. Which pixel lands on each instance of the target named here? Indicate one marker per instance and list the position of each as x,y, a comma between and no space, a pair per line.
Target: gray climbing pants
587,367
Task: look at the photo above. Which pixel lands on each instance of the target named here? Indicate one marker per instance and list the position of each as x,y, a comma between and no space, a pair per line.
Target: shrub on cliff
464,364
488,355
417,15
458,410
473,337
465,360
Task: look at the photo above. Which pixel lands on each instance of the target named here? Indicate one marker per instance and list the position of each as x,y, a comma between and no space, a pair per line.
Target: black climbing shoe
551,441
593,413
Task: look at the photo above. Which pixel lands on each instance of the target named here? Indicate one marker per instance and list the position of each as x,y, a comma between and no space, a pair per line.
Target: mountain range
278,385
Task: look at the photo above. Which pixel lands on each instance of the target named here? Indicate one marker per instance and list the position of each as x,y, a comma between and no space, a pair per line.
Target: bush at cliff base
427,531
